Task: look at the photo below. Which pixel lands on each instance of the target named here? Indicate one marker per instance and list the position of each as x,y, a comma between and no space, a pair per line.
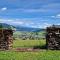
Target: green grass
39,55
28,43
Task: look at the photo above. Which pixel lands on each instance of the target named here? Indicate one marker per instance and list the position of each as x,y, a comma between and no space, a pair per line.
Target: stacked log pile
6,39
53,38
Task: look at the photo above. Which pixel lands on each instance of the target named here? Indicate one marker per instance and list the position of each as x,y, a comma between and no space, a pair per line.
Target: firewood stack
6,39
53,38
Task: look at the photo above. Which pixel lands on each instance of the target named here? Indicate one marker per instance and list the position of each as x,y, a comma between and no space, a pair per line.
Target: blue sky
30,13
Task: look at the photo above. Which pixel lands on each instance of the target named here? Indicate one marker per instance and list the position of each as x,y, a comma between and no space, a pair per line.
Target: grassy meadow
28,43
41,55
38,55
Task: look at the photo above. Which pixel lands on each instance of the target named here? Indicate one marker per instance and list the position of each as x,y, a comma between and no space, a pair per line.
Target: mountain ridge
22,28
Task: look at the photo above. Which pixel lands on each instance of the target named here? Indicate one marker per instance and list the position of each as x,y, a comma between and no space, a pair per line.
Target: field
42,54
28,43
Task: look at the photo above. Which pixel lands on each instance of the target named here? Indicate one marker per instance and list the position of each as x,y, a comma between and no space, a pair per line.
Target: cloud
56,16
32,6
43,25
33,10
42,9
47,25
18,22
4,8
53,16
11,21
27,23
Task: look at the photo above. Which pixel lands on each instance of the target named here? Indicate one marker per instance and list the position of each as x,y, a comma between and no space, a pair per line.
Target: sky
30,13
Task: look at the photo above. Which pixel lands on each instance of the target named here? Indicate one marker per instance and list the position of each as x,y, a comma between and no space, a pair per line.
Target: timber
6,39
53,37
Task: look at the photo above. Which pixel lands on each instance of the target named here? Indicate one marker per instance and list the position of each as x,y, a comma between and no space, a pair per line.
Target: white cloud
5,20
4,8
42,9
47,25
41,25
27,23
53,16
34,10
56,16
12,21
18,22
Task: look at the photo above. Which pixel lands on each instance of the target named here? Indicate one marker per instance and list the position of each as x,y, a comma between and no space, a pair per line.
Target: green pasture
41,55
38,55
28,43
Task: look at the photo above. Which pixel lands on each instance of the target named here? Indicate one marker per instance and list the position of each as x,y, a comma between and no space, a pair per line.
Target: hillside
20,28
28,29
6,26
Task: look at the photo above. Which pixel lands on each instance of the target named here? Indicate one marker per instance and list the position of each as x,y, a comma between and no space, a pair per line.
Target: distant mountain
6,26
20,28
28,29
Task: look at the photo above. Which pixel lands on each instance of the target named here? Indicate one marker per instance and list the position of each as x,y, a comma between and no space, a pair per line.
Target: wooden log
53,38
6,39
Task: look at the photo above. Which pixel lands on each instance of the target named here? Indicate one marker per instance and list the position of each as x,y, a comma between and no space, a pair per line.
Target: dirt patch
26,49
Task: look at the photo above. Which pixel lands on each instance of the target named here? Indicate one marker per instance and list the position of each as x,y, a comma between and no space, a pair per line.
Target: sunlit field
28,43
37,55
41,55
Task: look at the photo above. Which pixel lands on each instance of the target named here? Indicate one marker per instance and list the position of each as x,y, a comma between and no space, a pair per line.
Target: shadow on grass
40,47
